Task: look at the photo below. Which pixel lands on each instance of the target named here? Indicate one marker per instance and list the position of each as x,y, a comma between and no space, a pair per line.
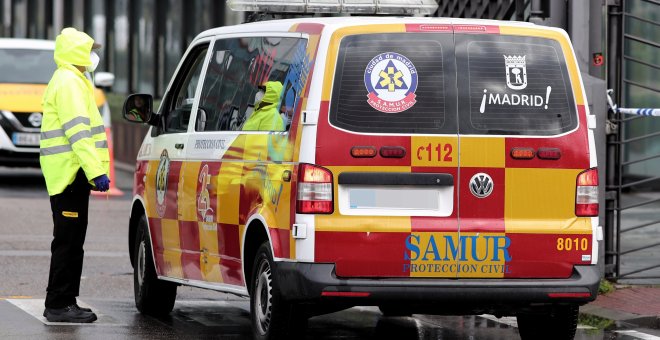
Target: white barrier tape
640,112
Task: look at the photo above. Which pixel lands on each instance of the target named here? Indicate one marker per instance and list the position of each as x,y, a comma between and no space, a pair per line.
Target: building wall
143,40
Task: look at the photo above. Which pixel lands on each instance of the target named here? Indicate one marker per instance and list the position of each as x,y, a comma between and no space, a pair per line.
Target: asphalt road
107,286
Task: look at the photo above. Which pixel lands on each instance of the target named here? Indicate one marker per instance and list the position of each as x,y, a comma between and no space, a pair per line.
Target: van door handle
178,146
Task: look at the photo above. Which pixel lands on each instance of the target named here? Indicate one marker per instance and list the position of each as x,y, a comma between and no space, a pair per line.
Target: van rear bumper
311,282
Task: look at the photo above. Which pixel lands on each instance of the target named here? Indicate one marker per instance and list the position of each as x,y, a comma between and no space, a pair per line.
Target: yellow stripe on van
542,201
209,261
333,49
229,189
172,248
150,189
565,46
187,191
482,152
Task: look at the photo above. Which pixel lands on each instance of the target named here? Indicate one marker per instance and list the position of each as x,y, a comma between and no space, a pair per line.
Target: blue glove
102,183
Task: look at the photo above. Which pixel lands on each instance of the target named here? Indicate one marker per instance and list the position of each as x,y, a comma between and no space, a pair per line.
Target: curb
621,317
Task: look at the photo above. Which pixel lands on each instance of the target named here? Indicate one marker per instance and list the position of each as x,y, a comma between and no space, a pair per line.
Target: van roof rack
361,7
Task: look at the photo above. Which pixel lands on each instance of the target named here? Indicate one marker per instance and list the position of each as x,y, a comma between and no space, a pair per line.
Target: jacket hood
273,92
73,47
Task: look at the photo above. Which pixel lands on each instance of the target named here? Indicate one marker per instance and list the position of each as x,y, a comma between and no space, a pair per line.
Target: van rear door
388,132
523,144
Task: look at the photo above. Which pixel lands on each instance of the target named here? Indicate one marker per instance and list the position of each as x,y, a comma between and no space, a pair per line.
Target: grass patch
595,321
605,287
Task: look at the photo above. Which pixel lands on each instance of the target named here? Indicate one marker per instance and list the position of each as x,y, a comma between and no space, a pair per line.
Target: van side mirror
138,108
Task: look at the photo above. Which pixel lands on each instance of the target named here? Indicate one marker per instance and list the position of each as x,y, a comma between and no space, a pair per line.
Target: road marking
35,307
639,335
46,253
513,322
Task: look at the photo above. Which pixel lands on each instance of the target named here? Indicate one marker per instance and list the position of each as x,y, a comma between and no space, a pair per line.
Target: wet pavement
107,287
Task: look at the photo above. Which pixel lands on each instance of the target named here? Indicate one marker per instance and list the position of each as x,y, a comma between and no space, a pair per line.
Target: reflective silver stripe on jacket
80,135
53,150
98,129
52,134
102,144
75,121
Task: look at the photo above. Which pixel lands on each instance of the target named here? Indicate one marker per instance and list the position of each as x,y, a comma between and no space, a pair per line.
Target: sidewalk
635,305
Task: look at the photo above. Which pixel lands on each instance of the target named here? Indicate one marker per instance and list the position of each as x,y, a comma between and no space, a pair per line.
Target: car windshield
27,66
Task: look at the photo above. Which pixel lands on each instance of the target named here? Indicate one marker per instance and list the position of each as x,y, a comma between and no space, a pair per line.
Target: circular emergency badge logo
161,182
391,79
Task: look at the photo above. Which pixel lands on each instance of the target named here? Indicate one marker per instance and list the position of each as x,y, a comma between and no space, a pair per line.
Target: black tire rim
263,297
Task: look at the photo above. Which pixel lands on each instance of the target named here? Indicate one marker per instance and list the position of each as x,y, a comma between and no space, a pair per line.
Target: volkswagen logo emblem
481,185
35,119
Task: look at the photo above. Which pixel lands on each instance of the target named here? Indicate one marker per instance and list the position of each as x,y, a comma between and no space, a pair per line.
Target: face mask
95,62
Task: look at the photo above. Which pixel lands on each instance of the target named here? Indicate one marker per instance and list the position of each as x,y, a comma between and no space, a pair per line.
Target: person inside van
266,117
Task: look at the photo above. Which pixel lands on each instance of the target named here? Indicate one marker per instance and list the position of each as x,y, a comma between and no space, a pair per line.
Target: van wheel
272,317
558,323
152,296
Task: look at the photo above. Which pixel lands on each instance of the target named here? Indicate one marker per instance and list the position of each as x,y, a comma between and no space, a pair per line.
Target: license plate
25,139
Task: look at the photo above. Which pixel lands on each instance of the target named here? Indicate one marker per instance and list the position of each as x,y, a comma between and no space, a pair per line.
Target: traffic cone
113,191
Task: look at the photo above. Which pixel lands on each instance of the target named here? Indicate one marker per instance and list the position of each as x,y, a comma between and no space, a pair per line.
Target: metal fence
632,223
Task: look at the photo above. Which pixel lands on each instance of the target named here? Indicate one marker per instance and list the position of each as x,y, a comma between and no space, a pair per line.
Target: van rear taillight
314,190
392,152
586,193
363,151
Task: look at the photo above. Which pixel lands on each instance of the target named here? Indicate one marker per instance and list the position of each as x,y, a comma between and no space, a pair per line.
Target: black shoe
88,310
69,314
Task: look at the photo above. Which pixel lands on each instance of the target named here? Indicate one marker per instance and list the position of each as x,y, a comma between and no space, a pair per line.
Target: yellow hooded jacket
267,117
72,130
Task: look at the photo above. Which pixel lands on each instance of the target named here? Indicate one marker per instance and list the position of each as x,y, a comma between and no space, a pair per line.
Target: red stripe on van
363,254
230,251
190,255
482,214
333,146
440,28
171,196
537,255
478,29
281,244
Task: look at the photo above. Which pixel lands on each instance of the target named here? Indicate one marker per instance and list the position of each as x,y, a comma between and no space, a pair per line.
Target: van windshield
26,66
439,83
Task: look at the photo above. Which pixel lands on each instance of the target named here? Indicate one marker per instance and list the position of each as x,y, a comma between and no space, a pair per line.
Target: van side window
513,85
252,84
179,105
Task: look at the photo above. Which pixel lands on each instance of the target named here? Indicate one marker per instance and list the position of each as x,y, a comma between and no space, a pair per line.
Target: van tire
559,323
272,317
152,296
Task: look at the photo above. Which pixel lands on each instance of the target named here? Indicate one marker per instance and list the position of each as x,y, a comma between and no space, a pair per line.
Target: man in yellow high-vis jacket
74,160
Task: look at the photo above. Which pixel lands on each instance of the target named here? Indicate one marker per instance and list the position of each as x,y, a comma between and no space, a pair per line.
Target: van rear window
513,85
395,83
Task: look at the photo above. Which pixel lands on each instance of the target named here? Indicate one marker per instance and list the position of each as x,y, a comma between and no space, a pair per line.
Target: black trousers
70,226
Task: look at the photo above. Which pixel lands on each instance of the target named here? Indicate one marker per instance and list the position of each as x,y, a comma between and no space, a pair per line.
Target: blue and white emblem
391,80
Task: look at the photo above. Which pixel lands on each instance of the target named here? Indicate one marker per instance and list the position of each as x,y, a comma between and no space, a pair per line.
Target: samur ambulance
26,66
426,165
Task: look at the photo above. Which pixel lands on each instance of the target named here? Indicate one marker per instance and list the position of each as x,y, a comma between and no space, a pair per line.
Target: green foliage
605,287
595,321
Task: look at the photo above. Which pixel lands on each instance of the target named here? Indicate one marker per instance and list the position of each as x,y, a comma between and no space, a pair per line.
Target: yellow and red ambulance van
426,165
26,66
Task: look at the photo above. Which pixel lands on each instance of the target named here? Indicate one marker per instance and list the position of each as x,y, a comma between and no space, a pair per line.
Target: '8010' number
572,243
